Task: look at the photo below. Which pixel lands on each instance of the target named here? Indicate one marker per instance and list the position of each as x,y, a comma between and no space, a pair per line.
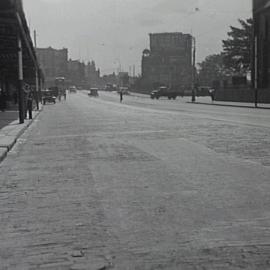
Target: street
145,184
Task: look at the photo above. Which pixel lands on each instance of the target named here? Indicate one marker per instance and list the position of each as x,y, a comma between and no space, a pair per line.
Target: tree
211,69
237,48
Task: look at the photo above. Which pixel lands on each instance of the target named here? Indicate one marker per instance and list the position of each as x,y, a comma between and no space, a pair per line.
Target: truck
164,91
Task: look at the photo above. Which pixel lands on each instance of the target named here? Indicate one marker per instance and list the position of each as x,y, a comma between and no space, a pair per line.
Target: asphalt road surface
142,185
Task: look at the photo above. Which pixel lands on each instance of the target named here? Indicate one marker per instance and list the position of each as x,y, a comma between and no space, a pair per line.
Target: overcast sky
114,32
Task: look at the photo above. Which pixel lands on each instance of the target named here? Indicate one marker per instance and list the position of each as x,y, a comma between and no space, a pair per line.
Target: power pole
256,70
193,98
37,74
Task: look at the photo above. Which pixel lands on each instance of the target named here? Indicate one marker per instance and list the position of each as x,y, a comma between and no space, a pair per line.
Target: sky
114,33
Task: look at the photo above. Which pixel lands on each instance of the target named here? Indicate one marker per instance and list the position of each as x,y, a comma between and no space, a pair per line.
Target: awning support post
20,80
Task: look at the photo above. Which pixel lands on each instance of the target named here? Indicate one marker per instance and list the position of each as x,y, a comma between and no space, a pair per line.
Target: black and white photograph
134,134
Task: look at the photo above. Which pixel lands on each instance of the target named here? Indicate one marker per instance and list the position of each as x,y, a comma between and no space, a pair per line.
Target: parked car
72,89
164,91
93,92
48,96
204,91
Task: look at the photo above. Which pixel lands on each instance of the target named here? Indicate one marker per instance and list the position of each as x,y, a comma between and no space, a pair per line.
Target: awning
12,24
264,8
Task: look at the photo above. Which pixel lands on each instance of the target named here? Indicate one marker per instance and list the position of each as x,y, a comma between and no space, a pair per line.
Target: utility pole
134,71
20,80
37,74
193,98
256,70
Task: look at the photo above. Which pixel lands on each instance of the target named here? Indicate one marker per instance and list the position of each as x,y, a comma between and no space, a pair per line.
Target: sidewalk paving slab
10,133
3,153
233,104
7,141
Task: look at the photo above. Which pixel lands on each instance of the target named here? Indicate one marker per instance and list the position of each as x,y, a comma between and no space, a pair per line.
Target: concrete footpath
11,132
207,101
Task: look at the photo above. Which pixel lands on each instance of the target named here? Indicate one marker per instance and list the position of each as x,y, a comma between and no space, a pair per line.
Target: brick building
261,63
54,63
168,62
92,74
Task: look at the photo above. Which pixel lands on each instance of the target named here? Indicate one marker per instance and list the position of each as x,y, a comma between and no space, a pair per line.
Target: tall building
92,74
168,62
261,63
54,63
76,72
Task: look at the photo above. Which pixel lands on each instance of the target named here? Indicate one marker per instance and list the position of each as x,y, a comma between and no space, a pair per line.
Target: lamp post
193,95
256,71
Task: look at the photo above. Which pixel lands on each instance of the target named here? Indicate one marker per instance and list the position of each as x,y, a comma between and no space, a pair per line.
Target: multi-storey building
168,62
261,63
76,72
92,74
54,63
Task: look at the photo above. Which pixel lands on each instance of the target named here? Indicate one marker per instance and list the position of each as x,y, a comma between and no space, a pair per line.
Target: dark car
154,94
164,91
48,96
93,92
72,89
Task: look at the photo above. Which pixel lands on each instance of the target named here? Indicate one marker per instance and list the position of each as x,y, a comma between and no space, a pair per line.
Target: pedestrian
212,94
30,104
15,96
121,96
26,91
65,94
2,100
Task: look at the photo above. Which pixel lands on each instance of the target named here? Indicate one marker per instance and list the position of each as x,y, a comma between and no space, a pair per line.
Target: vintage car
48,96
164,91
72,89
93,92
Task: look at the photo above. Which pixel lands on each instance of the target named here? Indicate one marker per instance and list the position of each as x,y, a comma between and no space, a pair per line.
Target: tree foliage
211,69
237,48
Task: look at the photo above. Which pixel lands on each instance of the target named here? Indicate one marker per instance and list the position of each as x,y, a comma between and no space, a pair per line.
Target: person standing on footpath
59,95
121,96
30,104
212,94
2,100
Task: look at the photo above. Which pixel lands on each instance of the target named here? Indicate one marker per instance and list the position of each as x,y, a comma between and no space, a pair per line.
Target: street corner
7,141
3,153
10,133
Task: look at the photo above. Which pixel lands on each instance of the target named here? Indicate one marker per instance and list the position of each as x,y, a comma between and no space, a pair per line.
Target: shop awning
12,24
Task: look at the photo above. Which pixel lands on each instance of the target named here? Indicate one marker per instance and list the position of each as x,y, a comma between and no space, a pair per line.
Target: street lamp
193,77
193,72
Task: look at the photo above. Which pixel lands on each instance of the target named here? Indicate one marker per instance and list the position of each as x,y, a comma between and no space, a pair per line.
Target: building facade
92,74
54,63
168,62
16,53
76,72
261,59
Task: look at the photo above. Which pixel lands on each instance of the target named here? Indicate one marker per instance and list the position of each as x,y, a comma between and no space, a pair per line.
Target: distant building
53,62
109,79
261,14
123,79
168,62
92,74
76,72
